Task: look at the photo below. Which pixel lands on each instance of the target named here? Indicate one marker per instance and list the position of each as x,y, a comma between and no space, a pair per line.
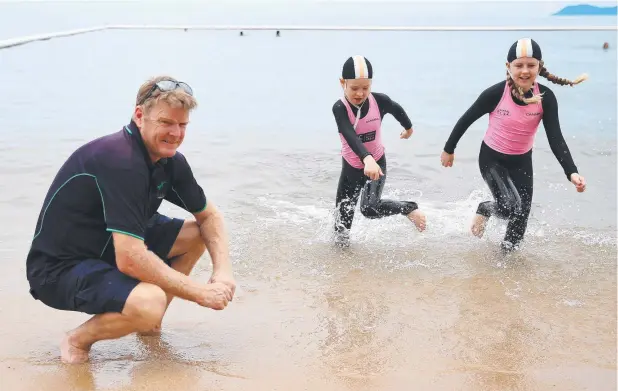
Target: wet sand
518,326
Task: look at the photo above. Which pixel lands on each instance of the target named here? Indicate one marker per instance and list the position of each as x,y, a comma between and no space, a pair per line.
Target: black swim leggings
351,182
509,178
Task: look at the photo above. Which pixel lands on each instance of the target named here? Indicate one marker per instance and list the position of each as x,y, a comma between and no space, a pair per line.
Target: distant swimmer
606,46
278,33
359,117
241,33
515,107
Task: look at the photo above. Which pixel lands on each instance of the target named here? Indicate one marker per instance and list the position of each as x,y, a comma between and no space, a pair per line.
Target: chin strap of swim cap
358,113
356,67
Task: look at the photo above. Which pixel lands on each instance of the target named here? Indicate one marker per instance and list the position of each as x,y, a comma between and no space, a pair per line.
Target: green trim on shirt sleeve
126,233
204,208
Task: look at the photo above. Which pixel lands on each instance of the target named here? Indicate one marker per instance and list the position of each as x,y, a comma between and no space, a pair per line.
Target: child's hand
406,133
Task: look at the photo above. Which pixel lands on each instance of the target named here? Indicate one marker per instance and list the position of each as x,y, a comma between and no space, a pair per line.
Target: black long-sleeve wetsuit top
386,105
487,102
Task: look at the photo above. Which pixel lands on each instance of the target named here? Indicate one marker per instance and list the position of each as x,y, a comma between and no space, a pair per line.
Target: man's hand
212,231
226,278
215,296
406,133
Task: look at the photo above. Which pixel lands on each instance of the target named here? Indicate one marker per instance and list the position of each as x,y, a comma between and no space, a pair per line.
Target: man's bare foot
418,218
71,354
478,226
151,333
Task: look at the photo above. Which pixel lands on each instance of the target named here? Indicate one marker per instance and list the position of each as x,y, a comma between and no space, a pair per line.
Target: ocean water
399,309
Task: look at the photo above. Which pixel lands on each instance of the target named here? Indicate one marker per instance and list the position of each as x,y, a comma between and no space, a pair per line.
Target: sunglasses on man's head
165,86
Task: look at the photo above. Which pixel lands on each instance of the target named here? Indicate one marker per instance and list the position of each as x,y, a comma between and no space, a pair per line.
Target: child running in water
359,117
515,107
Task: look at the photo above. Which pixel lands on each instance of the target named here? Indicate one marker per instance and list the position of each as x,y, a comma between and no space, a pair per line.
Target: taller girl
515,107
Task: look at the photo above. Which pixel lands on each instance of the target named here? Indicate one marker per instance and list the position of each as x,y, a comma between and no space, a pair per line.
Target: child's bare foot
71,354
418,218
478,226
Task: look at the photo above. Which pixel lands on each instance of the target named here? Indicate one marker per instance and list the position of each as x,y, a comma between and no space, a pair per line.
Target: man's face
163,129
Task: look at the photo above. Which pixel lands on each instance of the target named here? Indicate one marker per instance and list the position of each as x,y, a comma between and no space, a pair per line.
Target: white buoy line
42,37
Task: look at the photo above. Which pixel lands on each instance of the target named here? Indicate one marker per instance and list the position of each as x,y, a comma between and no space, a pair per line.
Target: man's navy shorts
94,286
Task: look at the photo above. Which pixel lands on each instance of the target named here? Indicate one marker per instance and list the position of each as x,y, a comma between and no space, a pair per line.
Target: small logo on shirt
161,190
373,119
532,114
503,112
367,137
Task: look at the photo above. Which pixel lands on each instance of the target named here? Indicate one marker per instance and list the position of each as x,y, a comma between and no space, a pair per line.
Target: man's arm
214,235
188,194
124,193
125,196
135,260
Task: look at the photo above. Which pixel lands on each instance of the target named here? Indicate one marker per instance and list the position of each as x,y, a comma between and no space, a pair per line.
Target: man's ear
138,116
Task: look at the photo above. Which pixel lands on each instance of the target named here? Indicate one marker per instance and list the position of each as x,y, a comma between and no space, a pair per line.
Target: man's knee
146,306
189,240
196,242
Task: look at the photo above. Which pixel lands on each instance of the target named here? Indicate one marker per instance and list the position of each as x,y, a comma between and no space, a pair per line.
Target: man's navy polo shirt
107,185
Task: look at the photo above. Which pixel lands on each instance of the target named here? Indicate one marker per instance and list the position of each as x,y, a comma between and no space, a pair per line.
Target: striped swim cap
525,47
357,67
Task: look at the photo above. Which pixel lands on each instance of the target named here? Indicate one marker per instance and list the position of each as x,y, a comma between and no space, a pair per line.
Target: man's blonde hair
176,98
